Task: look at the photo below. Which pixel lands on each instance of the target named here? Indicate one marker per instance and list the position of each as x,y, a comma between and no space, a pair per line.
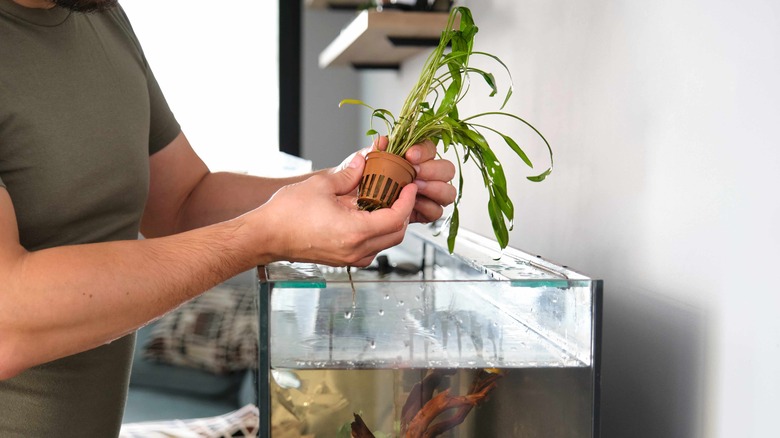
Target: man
90,155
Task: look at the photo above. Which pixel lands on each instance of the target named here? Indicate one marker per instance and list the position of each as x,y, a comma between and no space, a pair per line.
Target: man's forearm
69,299
61,301
222,196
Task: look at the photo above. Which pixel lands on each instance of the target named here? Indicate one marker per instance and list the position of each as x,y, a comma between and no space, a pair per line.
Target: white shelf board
324,4
365,40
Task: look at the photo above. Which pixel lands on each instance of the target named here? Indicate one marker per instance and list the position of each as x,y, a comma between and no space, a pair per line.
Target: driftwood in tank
359,428
422,409
421,393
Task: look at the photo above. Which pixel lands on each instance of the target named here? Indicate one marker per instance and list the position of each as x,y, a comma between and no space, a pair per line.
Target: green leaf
466,19
515,147
449,99
352,102
506,69
508,95
477,138
467,27
446,139
383,114
460,179
541,176
506,205
371,132
458,57
491,81
496,170
454,225
546,143
454,114
345,431
497,221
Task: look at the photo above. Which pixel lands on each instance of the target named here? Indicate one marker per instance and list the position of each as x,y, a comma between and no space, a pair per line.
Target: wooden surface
365,40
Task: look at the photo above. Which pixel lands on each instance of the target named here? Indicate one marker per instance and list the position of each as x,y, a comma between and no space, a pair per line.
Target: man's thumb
346,180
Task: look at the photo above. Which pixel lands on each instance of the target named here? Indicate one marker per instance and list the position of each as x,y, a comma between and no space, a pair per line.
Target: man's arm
185,195
61,301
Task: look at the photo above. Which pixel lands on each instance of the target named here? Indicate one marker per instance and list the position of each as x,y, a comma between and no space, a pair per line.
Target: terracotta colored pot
384,176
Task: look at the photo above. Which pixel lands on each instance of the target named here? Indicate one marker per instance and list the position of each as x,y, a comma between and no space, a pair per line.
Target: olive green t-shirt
80,114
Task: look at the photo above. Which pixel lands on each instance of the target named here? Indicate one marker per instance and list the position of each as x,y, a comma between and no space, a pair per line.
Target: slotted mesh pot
384,176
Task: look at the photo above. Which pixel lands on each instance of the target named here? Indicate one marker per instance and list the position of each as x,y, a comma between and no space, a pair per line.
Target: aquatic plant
430,112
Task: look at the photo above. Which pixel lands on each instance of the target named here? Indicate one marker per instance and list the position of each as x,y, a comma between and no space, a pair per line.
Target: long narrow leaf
506,205
454,225
541,176
354,102
506,69
489,78
511,143
497,221
549,148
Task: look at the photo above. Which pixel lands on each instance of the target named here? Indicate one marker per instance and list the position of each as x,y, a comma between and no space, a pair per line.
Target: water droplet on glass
348,314
387,296
381,312
400,302
373,344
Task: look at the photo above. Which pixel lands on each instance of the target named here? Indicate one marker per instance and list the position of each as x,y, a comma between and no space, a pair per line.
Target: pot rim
394,158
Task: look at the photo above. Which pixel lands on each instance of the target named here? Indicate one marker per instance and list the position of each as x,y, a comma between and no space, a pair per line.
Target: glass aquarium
424,343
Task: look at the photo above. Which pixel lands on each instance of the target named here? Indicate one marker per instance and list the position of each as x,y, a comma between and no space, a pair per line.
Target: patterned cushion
244,422
216,332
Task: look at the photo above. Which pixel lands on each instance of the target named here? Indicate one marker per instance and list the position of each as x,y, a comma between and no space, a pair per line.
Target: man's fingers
436,170
346,180
421,152
404,205
426,211
380,144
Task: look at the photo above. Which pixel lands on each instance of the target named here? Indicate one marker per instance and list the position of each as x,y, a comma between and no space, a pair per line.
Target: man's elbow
10,363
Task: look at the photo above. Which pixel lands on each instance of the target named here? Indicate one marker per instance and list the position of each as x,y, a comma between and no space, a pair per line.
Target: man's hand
434,190
316,220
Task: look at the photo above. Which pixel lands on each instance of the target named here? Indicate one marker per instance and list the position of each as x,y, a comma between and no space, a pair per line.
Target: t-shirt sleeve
163,126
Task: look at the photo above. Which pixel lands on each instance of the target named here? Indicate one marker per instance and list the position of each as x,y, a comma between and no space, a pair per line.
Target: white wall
329,134
218,68
662,116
